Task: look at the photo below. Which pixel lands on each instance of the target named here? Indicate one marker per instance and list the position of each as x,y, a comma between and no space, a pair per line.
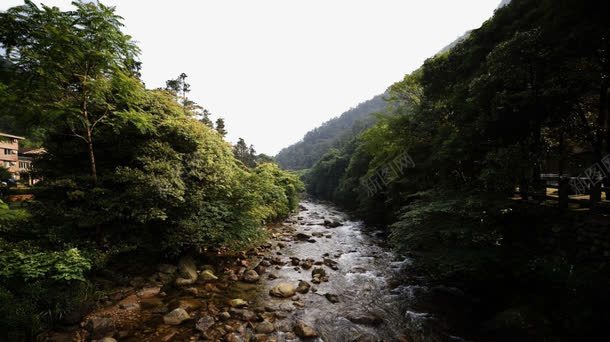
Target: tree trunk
91,157
563,181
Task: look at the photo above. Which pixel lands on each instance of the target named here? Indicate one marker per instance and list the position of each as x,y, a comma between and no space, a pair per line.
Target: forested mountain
525,94
332,133
337,131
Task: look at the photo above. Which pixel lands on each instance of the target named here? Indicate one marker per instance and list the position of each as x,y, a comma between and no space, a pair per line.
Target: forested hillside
127,173
525,94
332,133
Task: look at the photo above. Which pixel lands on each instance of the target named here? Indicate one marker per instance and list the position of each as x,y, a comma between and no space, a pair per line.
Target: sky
275,69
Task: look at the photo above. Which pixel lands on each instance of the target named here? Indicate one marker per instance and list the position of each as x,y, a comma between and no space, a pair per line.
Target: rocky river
320,277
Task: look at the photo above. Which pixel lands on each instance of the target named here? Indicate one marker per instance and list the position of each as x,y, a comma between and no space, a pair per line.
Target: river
363,295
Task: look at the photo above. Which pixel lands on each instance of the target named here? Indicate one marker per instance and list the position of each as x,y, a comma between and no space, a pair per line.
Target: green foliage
66,265
12,219
525,94
5,174
126,169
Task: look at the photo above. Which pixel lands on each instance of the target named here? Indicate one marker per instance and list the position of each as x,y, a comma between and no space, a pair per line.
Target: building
26,156
9,153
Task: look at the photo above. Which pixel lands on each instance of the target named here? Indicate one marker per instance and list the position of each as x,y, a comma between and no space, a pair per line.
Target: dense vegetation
525,94
127,170
332,134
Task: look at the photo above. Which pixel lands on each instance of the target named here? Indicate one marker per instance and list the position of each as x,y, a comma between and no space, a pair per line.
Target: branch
99,119
74,134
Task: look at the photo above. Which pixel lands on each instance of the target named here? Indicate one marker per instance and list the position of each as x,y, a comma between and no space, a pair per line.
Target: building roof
32,150
11,136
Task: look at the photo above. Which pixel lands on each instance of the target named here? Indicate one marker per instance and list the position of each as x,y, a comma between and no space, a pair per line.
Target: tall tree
96,59
220,127
205,118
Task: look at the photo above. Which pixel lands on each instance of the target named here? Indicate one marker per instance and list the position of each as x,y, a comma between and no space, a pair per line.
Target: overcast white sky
274,69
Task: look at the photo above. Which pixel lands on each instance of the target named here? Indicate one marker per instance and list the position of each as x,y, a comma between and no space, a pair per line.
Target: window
7,164
7,151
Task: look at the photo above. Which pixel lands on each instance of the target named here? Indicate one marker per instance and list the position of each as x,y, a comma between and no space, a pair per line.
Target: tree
4,174
97,60
205,119
179,88
220,127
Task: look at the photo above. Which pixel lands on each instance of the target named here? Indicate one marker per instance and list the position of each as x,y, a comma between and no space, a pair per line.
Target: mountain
332,133
305,153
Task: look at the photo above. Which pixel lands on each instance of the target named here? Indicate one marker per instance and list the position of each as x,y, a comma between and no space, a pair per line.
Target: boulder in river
238,303
187,271
251,276
208,275
264,327
318,272
243,314
364,318
283,290
302,236
303,330
176,317
333,298
332,224
307,264
204,324
303,287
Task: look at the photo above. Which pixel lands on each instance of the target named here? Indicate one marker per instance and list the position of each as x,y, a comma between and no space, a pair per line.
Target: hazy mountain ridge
305,153
318,141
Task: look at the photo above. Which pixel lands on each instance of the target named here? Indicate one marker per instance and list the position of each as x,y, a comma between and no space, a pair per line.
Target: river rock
307,264
176,317
283,290
224,316
187,271
277,261
330,263
149,292
251,276
333,298
208,275
238,303
264,327
318,272
303,330
243,314
100,327
189,304
303,287
260,269
364,318
302,236
204,324
233,337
